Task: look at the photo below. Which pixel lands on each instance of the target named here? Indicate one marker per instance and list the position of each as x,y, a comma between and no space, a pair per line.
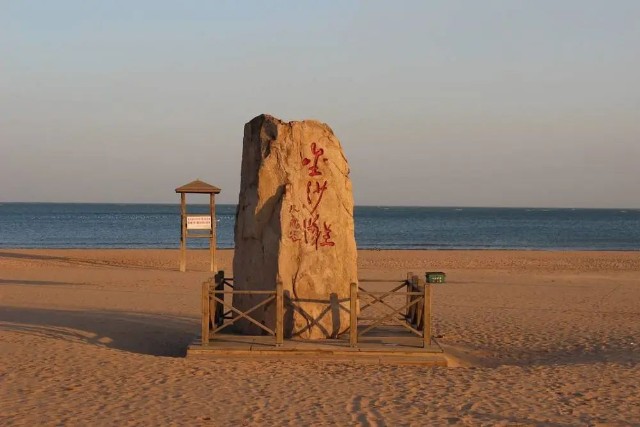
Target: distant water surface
60,225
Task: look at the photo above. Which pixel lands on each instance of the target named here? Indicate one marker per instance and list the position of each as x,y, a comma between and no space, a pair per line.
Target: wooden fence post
416,314
409,311
183,232
219,308
205,313
419,311
426,316
213,306
279,314
353,315
212,236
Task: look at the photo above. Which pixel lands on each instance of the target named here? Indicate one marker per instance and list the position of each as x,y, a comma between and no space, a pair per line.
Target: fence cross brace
244,314
390,317
377,300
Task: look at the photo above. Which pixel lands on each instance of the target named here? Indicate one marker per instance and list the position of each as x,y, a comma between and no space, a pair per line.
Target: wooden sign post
197,222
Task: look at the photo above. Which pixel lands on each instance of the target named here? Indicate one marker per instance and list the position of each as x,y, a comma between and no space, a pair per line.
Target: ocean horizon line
367,248
177,203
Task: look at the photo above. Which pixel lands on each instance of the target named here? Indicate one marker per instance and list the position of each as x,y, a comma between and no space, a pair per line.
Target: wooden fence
414,315
214,303
219,313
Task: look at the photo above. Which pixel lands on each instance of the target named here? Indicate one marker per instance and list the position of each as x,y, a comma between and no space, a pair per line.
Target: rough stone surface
294,224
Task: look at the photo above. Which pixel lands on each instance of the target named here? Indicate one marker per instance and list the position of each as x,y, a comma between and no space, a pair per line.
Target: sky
436,103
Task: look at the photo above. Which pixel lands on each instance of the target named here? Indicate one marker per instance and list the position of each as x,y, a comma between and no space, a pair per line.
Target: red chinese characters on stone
295,229
317,152
326,236
311,230
319,190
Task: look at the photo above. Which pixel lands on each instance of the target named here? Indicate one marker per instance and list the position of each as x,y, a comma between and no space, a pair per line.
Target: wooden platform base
385,346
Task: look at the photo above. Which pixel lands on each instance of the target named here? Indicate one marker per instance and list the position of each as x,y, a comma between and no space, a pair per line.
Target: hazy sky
447,103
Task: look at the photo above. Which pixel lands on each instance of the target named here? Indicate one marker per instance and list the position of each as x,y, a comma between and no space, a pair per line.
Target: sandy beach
97,337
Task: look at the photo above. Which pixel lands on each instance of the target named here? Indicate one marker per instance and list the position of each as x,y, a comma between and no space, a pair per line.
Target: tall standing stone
294,223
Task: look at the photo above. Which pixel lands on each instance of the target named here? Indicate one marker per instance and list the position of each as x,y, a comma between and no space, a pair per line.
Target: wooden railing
214,304
414,315
219,313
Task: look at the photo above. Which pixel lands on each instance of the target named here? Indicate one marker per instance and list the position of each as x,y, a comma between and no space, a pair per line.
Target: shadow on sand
143,333
16,255
465,356
37,283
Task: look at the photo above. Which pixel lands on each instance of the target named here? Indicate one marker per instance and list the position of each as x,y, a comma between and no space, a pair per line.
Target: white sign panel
201,222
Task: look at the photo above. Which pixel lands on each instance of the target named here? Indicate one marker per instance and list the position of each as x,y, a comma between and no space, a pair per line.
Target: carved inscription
316,152
312,230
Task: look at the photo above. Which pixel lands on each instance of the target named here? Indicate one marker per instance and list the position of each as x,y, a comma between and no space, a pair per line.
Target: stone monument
294,224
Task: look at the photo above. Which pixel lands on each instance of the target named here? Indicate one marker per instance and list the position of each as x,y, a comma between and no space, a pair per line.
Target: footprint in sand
364,413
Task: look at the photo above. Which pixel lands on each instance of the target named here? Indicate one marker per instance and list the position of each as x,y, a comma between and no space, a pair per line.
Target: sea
74,225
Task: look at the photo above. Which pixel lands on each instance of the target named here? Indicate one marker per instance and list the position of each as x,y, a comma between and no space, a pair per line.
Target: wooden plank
213,319
225,349
412,308
198,236
248,292
407,282
379,281
279,314
238,348
219,311
417,313
426,317
205,313
212,240
390,337
387,293
214,310
183,232
353,315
